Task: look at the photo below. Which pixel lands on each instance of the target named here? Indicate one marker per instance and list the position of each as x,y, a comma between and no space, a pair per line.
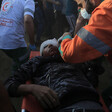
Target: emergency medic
91,41
85,13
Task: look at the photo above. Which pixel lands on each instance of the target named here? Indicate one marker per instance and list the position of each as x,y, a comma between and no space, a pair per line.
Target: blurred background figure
60,19
39,21
65,22
71,14
49,17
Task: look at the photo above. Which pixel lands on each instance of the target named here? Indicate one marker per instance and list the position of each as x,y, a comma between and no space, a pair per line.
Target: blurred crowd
54,17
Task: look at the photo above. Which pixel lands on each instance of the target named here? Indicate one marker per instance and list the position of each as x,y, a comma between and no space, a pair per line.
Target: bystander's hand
61,38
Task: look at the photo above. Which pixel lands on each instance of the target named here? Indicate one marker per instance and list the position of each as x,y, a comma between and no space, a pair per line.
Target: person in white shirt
16,18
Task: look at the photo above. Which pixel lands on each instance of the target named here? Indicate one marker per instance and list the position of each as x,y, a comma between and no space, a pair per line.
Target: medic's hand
46,96
61,38
32,47
66,33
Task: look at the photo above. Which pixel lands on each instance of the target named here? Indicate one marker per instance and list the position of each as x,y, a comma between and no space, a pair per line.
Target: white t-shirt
12,22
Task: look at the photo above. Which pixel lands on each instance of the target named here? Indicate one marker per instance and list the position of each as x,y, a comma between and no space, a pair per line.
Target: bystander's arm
29,26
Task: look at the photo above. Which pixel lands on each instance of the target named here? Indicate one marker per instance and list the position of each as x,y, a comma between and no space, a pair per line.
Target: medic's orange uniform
93,40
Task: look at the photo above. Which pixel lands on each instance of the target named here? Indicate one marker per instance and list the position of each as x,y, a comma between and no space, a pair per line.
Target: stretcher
30,104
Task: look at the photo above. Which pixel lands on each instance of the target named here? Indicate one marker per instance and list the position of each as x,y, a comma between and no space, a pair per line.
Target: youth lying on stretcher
58,86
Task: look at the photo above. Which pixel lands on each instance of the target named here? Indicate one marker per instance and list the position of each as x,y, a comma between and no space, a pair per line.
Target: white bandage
53,42
85,14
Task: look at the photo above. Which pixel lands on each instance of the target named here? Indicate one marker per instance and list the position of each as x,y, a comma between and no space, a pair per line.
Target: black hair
80,5
90,7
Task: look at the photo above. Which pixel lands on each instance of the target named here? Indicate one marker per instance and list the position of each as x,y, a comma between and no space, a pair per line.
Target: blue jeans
72,22
50,20
39,22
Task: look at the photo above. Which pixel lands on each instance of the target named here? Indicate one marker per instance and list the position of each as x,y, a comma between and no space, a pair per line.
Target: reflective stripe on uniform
93,41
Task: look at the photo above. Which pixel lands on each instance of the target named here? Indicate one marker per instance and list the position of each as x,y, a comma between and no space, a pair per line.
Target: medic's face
50,50
96,2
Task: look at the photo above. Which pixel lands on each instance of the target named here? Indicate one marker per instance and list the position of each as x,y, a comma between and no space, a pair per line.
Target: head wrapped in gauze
53,42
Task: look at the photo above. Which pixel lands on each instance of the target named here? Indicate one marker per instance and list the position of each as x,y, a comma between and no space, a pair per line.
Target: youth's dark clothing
68,80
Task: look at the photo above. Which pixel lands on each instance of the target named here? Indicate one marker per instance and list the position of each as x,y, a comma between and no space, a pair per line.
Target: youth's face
50,50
